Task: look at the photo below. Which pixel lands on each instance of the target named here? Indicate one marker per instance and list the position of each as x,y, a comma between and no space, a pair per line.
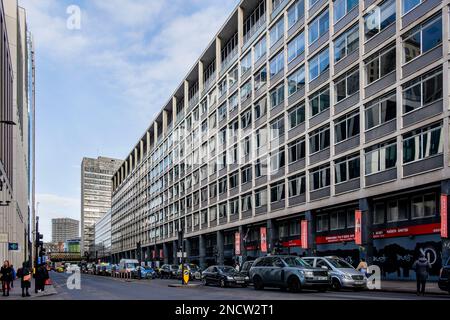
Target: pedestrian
422,267
40,278
14,275
24,274
237,266
6,276
362,266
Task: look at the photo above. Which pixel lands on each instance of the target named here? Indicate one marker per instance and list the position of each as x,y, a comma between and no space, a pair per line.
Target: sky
99,87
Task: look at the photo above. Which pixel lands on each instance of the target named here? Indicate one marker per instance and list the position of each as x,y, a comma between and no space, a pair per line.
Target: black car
245,271
444,278
168,271
223,276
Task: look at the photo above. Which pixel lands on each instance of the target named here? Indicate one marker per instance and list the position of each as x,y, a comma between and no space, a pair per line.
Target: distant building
96,191
64,229
103,237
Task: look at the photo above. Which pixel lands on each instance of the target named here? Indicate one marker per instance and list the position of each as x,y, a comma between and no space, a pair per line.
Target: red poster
408,231
161,253
153,254
263,240
444,216
358,227
237,243
292,243
304,231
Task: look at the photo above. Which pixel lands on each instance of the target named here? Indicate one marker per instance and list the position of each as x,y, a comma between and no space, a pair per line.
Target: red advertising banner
304,231
153,254
444,216
335,239
358,227
408,231
237,243
263,233
161,253
292,243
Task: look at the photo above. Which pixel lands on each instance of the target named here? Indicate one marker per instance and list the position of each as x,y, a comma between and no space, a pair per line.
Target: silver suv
288,272
343,274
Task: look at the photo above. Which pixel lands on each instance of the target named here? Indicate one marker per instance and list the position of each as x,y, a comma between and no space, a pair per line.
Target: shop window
423,206
379,213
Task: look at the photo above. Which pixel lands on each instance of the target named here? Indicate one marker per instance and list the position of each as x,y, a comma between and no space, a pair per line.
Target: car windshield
131,265
295,262
193,267
338,263
227,269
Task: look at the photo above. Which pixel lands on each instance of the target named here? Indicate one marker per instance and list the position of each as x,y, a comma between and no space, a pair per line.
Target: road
106,288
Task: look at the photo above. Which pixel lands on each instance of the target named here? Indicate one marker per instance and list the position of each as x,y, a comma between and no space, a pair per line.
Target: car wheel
258,283
336,285
223,284
294,285
205,282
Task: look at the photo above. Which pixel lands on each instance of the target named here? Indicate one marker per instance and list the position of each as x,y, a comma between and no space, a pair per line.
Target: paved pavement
106,288
16,292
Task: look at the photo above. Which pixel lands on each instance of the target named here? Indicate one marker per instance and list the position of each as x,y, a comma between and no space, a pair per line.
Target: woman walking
6,274
24,274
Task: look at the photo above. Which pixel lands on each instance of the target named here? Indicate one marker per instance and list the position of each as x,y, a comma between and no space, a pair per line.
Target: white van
128,265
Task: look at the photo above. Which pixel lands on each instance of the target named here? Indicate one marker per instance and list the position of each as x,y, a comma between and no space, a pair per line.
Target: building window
234,207
234,180
320,178
213,190
319,139
319,64
277,32
247,202
277,128
260,108
233,76
260,198
277,161
422,38
338,220
246,63
379,18
346,43
408,5
260,49
246,146
233,102
295,13
296,81
246,119
378,213
296,116
223,185
297,150
380,64
258,168
318,27
347,85
246,91
296,47
347,168
422,143
423,206
381,110
322,223
222,111
319,102
342,7
246,175
350,218
222,210
213,214
277,96
260,78
277,64
422,91
277,192
297,185
397,210
347,127
260,138
381,157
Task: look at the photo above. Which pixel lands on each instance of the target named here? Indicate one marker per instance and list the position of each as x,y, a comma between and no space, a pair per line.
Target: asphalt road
106,288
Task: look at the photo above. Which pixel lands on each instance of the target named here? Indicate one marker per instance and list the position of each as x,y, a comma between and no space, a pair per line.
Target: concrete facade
64,229
300,111
103,237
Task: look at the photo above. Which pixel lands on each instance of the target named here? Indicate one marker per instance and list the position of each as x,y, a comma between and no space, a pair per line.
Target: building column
242,232
312,246
175,250
272,235
366,250
220,248
166,253
202,251
445,191
187,249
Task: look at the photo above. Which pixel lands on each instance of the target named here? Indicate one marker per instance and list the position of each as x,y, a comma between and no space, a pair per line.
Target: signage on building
154,254
237,243
408,231
161,253
304,231
13,246
444,216
335,239
3,238
358,227
292,243
263,232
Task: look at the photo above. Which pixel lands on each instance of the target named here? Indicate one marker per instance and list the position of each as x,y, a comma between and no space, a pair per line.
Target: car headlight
301,272
309,273
347,277
247,278
230,278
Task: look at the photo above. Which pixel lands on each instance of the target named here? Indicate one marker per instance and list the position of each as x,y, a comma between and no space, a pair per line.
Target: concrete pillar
218,55
220,248
240,29
136,159
165,122
242,232
186,94
187,249
165,253
175,251
366,250
174,110
155,131
148,143
200,76
445,190
202,251
311,232
142,150
272,235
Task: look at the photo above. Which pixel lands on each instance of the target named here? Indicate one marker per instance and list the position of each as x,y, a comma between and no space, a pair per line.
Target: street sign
13,246
181,254
3,238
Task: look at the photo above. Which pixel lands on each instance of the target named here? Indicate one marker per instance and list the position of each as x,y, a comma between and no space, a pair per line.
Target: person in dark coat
422,267
24,274
6,275
40,277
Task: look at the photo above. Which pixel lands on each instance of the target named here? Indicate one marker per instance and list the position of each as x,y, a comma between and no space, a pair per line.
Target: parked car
288,272
223,276
193,268
444,277
60,269
128,265
245,271
169,271
343,274
106,270
146,273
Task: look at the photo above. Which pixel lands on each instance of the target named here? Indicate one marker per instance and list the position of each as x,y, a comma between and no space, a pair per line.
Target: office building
64,229
305,127
95,196
15,134
103,237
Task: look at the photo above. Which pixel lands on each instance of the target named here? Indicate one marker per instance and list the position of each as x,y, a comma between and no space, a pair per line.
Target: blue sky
98,88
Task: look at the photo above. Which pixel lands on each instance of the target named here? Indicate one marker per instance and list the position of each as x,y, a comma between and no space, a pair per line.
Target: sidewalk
410,287
16,292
